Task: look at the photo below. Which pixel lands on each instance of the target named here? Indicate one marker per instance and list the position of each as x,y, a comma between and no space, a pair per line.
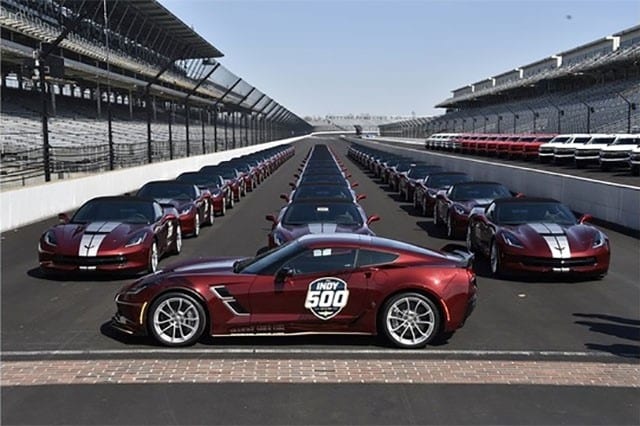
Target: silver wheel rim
153,258
410,321
494,258
469,238
224,207
196,225
449,226
178,238
176,320
211,213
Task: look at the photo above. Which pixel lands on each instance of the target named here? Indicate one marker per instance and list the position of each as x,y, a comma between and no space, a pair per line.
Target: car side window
373,257
322,260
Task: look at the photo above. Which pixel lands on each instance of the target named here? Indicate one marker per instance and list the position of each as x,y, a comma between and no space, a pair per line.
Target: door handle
370,272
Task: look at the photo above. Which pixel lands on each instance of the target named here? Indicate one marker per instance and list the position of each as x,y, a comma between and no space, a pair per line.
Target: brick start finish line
128,371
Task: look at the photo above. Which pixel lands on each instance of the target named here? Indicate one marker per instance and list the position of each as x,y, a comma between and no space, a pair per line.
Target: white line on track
289,351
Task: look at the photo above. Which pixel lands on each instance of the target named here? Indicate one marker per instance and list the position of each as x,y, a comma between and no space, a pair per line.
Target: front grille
559,263
614,155
89,261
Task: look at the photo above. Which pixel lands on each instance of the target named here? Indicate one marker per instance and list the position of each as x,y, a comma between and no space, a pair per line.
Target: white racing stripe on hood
555,238
322,228
93,236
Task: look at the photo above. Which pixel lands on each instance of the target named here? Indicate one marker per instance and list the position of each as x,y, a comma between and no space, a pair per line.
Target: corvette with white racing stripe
111,234
537,235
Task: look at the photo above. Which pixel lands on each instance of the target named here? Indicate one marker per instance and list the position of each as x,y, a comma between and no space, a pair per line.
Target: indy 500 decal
326,297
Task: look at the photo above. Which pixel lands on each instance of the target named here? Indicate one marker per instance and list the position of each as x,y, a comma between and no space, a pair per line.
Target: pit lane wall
24,206
608,202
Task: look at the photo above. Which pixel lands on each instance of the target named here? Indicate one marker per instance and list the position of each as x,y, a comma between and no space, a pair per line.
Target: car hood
470,204
554,239
292,232
91,238
214,265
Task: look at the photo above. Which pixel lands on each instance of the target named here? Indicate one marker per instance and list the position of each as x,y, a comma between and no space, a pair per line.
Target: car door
315,291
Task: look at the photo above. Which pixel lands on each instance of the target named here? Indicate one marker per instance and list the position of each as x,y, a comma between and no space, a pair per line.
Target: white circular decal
326,297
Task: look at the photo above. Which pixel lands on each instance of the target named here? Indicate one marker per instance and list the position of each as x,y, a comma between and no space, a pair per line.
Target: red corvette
537,235
340,283
111,234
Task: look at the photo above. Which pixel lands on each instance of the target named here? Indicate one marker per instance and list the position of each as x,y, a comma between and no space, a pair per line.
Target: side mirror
586,218
284,273
63,218
284,197
270,218
297,176
349,175
292,185
373,218
355,185
360,197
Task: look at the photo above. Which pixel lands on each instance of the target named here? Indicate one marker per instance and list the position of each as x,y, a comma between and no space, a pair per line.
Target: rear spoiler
460,252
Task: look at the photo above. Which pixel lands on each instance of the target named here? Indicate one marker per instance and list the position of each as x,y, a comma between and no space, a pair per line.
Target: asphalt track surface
530,319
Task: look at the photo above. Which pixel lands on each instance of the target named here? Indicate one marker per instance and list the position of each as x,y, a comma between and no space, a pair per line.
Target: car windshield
126,211
174,191
422,172
268,261
627,141
445,181
338,213
197,179
322,191
336,179
514,213
606,141
478,191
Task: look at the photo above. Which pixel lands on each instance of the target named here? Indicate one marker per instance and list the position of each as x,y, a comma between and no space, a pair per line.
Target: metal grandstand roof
153,24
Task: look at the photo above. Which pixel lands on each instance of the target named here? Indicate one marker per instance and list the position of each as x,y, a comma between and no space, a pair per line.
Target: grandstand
90,86
332,122
593,88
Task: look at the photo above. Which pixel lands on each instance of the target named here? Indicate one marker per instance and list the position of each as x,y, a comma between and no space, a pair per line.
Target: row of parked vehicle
515,232
608,151
322,200
131,232
325,273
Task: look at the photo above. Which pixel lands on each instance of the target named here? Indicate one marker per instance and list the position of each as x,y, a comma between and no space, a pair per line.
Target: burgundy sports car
193,205
340,283
111,234
452,206
537,235
318,217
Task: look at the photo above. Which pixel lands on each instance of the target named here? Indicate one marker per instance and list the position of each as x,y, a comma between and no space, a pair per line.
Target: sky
393,58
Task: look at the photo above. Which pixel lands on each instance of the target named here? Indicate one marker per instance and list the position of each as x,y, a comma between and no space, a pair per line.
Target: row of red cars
516,233
516,146
130,233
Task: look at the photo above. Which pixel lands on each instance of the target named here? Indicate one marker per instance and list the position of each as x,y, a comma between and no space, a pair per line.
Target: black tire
436,219
211,213
450,226
176,247
196,226
495,264
153,258
179,315
410,320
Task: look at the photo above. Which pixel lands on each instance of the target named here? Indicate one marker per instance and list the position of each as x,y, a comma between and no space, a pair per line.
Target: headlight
459,210
511,240
50,238
599,240
136,239
184,210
